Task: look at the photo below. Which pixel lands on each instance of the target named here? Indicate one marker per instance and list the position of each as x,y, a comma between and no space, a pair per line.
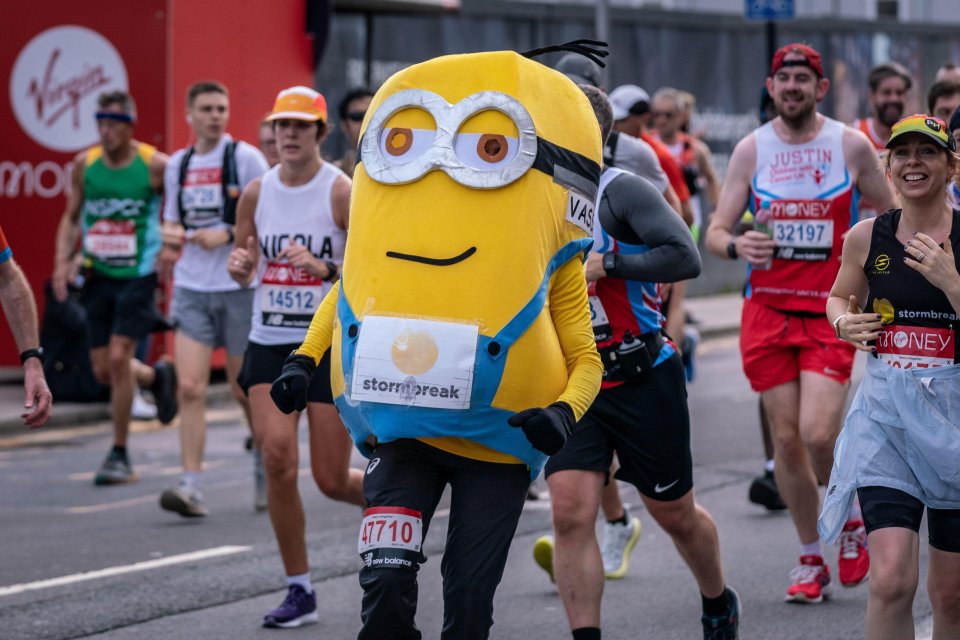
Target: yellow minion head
474,171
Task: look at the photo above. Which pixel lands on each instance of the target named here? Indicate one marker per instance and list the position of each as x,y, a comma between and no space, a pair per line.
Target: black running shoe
727,626
164,389
763,491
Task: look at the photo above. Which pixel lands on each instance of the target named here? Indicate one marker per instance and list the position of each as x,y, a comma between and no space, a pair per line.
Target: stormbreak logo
55,82
881,264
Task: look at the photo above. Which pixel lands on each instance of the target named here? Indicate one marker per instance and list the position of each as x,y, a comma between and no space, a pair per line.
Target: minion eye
485,151
402,144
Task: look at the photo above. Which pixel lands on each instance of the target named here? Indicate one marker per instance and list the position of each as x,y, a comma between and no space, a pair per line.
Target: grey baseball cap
580,69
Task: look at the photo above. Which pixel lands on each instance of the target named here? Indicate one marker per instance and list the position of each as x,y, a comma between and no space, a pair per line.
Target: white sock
812,549
191,479
769,465
302,579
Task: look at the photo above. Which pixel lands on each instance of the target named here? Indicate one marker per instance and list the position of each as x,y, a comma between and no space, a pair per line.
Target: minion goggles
449,151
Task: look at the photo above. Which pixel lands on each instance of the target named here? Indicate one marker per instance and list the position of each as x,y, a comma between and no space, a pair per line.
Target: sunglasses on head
356,116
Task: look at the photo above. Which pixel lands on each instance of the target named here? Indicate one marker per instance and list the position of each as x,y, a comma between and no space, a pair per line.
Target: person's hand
166,259
299,256
594,267
173,235
859,328
242,260
210,238
289,391
937,265
755,247
546,429
58,282
38,401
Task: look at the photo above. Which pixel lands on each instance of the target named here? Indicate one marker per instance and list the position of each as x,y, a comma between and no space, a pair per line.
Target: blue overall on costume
481,423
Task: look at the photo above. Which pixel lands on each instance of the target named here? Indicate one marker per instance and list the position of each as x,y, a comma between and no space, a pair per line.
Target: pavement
713,316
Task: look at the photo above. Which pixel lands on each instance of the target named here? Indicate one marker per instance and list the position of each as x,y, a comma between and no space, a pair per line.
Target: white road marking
122,569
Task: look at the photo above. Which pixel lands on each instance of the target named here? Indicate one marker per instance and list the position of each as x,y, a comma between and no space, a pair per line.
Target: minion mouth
435,262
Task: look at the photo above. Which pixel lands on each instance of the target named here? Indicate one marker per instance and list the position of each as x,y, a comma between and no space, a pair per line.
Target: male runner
203,184
807,166
943,98
268,143
641,411
114,208
352,109
20,310
890,85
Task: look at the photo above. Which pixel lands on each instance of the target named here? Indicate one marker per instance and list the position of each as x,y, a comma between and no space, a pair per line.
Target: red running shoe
854,561
811,581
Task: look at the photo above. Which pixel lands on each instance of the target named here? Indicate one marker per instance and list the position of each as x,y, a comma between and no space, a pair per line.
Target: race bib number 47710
390,528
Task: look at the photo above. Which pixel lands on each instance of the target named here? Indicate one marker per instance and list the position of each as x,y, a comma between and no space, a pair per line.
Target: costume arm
571,319
320,334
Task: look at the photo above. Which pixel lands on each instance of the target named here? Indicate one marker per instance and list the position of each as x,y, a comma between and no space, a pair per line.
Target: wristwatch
732,250
611,262
32,353
332,270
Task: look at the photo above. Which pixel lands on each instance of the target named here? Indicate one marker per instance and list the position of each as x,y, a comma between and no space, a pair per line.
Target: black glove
289,391
546,429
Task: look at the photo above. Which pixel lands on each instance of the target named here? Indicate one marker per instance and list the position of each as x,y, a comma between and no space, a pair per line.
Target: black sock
586,633
120,450
621,520
715,606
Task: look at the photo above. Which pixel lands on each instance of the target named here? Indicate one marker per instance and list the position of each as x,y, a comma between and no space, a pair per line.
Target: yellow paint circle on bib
414,352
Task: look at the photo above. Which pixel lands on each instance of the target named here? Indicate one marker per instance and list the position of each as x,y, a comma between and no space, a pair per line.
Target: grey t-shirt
636,156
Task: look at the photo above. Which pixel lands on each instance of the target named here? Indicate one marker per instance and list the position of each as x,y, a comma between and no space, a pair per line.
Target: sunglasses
356,116
663,114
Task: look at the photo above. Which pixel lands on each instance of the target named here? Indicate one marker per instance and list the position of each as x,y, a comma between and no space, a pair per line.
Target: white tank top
287,297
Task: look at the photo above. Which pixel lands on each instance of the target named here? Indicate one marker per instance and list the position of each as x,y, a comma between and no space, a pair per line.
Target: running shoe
811,581
543,554
618,541
725,627
763,491
854,561
299,607
185,500
259,482
164,389
141,409
116,469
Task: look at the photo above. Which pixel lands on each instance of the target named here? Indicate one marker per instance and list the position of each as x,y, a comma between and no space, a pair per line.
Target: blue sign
768,9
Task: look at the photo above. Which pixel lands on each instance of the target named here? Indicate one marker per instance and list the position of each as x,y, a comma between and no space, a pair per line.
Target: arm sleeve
632,211
171,189
571,318
320,333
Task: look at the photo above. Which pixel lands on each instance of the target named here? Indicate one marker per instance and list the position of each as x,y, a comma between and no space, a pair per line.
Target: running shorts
884,507
262,364
121,307
214,318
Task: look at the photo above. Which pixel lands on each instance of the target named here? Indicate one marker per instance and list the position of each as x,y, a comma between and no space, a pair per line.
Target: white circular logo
55,83
900,339
792,209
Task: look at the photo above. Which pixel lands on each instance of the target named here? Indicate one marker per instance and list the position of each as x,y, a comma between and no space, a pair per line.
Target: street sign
768,9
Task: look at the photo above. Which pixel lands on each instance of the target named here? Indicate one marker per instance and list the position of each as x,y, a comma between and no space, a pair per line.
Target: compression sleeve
632,211
320,333
571,318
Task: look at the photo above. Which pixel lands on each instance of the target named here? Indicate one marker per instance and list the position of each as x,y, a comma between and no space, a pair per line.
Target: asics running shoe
854,561
811,581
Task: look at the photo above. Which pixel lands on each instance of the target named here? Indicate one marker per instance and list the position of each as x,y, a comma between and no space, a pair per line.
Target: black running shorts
884,507
647,423
121,307
262,364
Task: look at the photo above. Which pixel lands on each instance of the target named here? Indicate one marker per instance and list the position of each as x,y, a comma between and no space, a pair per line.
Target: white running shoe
618,541
141,409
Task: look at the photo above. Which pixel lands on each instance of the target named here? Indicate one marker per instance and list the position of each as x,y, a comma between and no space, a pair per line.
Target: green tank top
120,216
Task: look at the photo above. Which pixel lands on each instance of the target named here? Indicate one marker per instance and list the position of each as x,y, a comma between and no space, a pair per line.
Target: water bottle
763,222
633,357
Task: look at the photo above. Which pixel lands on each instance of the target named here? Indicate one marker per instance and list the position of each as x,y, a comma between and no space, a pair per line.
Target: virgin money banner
56,58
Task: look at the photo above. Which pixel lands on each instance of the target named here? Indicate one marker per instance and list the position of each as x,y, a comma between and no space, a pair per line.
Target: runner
210,310
352,109
641,411
943,99
291,230
899,447
268,143
890,85
20,309
114,209
948,71
806,166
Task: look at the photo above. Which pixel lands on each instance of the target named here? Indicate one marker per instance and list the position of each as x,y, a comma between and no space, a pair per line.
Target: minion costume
462,347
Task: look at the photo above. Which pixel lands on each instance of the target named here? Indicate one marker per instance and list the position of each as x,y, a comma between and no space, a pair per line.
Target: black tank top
920,325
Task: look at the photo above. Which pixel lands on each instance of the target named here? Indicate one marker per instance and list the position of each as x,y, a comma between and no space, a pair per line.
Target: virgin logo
55,83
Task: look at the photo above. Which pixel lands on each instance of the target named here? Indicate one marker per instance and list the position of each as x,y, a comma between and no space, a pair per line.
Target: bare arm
707,170
340,201
242,264
869,176
21,312
754,246
68,231
158,164
850,290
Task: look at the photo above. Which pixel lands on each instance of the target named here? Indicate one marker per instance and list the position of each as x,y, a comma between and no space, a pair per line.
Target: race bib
580,211
288,296
916,347
598,317
111,239
802,229
415,362
390,528
202,196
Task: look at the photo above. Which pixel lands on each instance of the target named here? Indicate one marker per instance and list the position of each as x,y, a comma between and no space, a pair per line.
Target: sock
586,633
191,479
769,465
812,549
120,450
715,607
624,520
302,579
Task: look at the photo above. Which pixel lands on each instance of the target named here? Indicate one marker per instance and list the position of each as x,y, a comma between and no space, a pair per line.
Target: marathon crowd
850,234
